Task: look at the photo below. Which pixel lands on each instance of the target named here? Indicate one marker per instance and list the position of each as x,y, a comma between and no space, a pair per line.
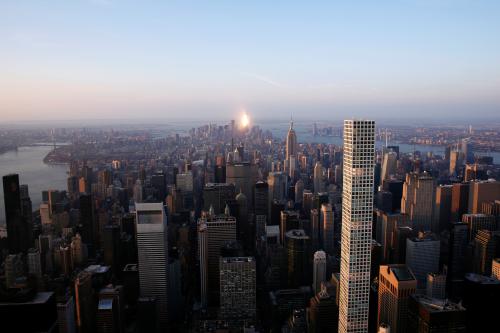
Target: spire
227,212
211,211
291,122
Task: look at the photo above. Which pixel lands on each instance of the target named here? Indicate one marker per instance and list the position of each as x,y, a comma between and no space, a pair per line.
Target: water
28,163
304,135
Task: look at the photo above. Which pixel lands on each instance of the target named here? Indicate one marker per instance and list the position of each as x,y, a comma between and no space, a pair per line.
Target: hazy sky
82,59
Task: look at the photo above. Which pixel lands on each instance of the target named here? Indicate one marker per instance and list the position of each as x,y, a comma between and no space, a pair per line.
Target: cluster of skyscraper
199,235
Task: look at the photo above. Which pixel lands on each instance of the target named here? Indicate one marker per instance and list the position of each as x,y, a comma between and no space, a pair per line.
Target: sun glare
245,121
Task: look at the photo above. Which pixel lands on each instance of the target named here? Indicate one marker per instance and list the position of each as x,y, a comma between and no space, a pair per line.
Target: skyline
99,59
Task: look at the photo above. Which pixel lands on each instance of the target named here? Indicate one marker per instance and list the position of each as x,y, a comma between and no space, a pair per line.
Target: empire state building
291,142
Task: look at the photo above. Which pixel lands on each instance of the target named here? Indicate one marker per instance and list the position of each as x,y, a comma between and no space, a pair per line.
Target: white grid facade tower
357,210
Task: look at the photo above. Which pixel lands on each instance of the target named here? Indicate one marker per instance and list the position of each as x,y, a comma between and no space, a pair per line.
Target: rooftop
402,272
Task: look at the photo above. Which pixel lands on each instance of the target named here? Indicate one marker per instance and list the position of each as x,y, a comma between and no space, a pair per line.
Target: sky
131,59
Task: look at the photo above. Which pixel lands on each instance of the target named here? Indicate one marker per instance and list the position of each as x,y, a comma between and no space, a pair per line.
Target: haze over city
113,59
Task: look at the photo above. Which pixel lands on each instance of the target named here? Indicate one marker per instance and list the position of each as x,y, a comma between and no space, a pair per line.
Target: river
28,163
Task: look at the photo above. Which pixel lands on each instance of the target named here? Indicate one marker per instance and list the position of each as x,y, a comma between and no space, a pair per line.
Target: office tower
495,268
110,309
375,258
400,235
468,153
112,253
299,191
18,229
457,252
34,262
88,227
481,297
105,318
442,211
357,211
459,201
45,247
261,198
389,166
484,191
138,191
184,181
78,250
475,172
394,186
418,200
491,208
291,142
319,270
318,177
243,175
396,284
217,195
422,256
323,312
278,184
307,198
213,233
45,214
327,229
237,287
14,269
289,220
383,201
298,246
386,225
152,249
427,315
158,182
84,299
476,222
436,285
315,230
455,162
62,256
486,248
66,315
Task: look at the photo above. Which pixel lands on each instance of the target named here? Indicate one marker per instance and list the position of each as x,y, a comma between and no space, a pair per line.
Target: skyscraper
396,283
319,270
426,315
476,222
484,191
238,287
442,211
291,142
318,177
213,233
495,268
18,229
152,247
418,200
298,246
486,248
84,301
357,211
436,286
327,228
422,256
389,165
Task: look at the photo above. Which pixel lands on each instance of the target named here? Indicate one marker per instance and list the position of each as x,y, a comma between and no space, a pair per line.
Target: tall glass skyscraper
357,210
152,250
